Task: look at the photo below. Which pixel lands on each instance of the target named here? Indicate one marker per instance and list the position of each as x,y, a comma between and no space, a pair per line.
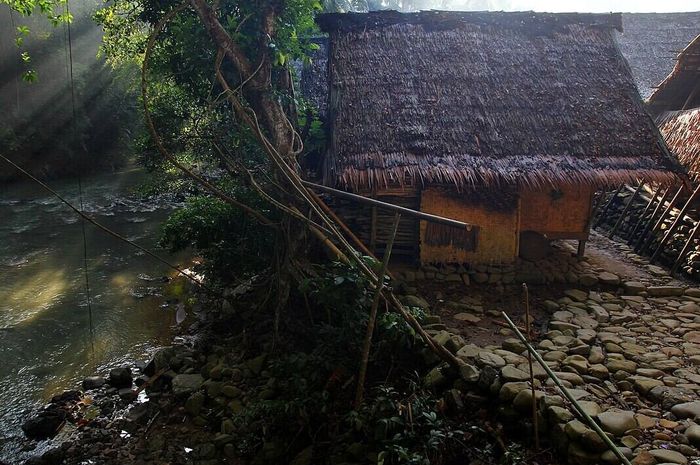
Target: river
45,343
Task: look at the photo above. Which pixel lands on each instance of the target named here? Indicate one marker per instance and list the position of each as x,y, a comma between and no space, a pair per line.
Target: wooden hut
508,121
676,105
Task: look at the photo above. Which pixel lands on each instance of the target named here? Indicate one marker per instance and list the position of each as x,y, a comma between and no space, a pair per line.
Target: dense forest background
36,128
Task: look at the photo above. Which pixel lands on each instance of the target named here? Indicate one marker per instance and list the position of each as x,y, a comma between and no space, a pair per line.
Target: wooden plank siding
561,213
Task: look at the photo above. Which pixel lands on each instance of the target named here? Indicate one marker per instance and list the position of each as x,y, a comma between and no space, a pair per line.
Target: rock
467,317
608,278
609,456
576,295
596,356
634,287
514,345
93,382
624,365
644,458
692,336
415,301
468,373
490,359
194,403
510,373
120,377
435,378
578,363
186,384
523,401
665,291
643,384
231,392
559,414
686,410
668,456
690,307
630,441
510,390
44,425
645,422
127,394
590,407
617,422
578,432
693,434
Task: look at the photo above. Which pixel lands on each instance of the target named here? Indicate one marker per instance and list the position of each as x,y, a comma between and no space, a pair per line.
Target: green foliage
406,426
231,244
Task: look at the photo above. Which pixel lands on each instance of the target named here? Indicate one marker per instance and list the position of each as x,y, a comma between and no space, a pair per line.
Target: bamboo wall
560,214
498,235
373,225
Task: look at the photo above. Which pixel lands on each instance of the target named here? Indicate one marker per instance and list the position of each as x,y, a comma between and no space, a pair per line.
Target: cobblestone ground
628,349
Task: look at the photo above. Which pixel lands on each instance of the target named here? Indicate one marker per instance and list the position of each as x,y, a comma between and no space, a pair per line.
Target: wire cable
81,160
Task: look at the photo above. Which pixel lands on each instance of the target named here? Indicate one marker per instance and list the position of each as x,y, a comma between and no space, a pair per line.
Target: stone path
631,359
628,348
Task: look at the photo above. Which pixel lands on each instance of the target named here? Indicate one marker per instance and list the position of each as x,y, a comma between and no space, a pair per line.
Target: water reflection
45,341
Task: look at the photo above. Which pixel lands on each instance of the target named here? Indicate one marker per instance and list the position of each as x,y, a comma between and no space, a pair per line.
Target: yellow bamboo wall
562,217
498,234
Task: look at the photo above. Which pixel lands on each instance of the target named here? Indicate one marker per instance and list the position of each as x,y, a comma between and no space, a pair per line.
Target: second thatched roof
485,99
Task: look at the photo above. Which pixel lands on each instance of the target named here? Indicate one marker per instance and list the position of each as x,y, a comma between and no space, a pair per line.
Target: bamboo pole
567,394
675,224
373,315
528,325
324,206
625,210
650,223
652,200
607,206
661,220
389,206
684,251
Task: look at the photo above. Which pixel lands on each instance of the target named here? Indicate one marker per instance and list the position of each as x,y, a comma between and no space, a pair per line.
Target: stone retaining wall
560,267
691,265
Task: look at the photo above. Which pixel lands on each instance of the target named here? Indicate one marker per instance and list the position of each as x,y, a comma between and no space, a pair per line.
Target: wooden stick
567,394
389,206
650,223
607,206
684,251
625,210
528,325
654,195
675,224
661,220
373,316
324,206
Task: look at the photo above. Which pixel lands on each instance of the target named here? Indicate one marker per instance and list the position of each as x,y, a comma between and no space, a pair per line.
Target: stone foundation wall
560,268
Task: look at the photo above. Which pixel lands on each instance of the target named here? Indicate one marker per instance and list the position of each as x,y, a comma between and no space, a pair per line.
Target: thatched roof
651,42
485,98
681,89
681,129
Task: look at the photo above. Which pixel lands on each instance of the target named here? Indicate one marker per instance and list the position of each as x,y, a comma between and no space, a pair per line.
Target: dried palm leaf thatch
496,99
681,129
651,42
680,90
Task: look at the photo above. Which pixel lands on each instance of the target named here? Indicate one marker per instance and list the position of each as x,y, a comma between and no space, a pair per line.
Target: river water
45,343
